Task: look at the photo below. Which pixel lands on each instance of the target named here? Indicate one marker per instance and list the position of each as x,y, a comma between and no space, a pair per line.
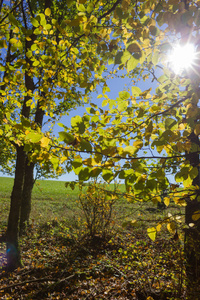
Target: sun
182,58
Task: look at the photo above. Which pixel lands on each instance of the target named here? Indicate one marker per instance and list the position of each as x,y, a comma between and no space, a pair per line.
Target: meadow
63,261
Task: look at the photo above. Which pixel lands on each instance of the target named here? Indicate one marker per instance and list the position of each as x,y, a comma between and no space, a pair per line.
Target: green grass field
52,200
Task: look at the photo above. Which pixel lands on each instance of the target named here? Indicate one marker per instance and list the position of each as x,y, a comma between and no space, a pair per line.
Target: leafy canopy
143,137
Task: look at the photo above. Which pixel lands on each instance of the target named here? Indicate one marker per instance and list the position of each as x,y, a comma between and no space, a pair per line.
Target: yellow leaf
151,233
133,221
158,227
47,12
171,227
138,144
130,150
156,199
44,141
196,215
88,162
166,201
181,126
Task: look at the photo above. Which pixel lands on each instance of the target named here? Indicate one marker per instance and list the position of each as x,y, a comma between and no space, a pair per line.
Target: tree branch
1,21
110,10
122,157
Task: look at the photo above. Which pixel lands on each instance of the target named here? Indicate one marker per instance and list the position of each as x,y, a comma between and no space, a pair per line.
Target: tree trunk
29,179
26,196
192,234
13,250
28,169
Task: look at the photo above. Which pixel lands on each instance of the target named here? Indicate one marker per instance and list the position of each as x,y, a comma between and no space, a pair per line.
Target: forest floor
62,261
128,266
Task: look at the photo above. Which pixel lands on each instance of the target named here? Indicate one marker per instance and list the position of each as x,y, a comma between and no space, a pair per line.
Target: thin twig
35,280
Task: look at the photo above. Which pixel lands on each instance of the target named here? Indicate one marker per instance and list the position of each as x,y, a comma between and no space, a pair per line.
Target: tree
150,139
51,60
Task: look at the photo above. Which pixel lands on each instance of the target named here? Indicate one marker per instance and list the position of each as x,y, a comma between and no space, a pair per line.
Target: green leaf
90,7
66,137
136,91
122,106
119,12
134,48
124,95
144,20
182,174
71,184
55,162
34,137
90,110
132,63
118,58
77,164
13,20
84,174
77,122
81,8
107,175
170,123
35,22
95,172
194,173
126,56
162,78
70,3
155,58
95,119
85,145
152,233
154,30
197,129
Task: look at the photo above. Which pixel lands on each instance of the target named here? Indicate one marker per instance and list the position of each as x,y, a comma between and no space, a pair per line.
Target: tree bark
13,250
26,196
29,180
192,234
29,167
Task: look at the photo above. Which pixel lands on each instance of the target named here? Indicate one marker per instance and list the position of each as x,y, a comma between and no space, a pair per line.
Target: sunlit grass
52,200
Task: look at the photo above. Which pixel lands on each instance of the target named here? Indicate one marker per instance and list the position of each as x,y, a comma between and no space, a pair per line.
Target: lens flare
182,58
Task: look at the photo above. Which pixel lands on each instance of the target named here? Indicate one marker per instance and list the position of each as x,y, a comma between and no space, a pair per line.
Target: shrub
97,206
